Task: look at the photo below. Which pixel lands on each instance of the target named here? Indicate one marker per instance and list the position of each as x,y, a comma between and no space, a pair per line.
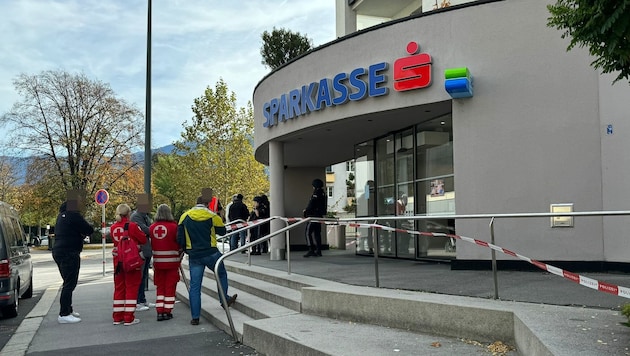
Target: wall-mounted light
561,221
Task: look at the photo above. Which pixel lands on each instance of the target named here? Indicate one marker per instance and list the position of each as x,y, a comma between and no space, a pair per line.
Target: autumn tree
80,132
603,26
216,149
8,179
280,46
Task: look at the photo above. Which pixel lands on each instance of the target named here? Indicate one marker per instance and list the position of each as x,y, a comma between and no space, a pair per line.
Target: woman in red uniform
126,284
166,260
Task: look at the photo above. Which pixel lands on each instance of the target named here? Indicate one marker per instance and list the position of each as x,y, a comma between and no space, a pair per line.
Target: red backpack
129,253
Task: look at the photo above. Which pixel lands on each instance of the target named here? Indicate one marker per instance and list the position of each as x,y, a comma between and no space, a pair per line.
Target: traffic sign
101,197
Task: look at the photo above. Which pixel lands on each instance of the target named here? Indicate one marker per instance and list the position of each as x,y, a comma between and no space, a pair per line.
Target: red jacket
164,244
135,233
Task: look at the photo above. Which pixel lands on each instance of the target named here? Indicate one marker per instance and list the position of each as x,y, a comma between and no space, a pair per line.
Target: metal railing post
376,248
494,261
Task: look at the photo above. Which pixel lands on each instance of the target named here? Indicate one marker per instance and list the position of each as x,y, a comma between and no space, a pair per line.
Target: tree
8,179
172,184
601,25
280,46
78,129
216,149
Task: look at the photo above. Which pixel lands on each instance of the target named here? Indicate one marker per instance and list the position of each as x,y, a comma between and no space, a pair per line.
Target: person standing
196,235
264,212
125,283
70,229
142,219
166,261
237,210
316,208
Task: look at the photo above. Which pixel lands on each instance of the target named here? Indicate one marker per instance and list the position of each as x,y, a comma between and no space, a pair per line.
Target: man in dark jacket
70,230
316,208
238,211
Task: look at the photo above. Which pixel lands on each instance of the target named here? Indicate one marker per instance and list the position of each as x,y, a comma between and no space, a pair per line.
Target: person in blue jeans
196,234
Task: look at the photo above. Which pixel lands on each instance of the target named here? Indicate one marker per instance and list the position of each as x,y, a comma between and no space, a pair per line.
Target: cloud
194,44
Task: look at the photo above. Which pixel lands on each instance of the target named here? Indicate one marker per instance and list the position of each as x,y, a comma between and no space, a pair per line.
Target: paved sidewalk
40,334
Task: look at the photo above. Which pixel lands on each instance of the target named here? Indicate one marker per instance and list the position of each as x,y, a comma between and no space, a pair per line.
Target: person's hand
115,251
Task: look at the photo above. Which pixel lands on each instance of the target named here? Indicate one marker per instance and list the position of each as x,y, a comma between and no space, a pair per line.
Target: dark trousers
143,282
68,264
314,236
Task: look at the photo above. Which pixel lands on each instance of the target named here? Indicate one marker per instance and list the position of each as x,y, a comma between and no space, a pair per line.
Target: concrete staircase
277,313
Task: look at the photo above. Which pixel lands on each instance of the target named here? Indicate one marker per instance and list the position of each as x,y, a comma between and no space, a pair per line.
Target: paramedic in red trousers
125,283
316,208
196,234
166,260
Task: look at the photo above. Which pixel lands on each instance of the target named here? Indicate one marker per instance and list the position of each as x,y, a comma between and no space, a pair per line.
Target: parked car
43,241
16,265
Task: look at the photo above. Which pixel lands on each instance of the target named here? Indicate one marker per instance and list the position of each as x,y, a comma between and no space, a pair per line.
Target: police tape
609,288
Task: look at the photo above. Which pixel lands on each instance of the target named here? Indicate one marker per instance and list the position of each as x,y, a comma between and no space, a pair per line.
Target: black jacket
317,204
70,229
238,210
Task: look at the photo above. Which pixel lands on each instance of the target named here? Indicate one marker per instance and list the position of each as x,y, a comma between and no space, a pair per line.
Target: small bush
625,310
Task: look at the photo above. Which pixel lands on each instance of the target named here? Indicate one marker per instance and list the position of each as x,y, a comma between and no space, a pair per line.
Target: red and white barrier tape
574,277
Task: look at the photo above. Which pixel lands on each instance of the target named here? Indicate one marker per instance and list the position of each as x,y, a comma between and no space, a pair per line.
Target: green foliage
601,25
625,311
215,151
280,46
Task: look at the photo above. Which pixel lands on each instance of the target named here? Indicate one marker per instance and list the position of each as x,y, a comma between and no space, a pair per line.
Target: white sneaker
141,307
135,321
150,305
75,314
68,319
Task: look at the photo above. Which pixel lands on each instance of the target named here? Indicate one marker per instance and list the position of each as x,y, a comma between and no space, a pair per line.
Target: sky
194,44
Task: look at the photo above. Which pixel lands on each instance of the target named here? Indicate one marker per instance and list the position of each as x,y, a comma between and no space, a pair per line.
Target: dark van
16,266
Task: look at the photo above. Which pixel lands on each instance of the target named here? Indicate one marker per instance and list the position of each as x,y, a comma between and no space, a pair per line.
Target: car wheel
11,311
29,291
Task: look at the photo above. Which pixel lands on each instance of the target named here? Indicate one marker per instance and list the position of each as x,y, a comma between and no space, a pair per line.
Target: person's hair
200,200
122,210
164,213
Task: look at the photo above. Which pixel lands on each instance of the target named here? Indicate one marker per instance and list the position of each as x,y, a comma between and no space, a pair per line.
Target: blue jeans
243,235
143,282
197,267
234,239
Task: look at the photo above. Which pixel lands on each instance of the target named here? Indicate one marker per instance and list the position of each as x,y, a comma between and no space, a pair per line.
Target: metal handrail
247,246
344,221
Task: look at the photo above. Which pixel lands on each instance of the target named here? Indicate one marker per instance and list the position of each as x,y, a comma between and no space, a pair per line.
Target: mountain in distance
20,164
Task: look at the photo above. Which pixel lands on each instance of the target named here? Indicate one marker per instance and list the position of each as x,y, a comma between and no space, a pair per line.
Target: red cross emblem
159,232
118,233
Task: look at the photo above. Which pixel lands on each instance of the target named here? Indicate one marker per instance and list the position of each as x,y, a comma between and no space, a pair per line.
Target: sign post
102,197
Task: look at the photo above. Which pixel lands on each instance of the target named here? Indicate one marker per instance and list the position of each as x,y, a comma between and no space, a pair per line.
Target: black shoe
310,254
231,300
194,322
168,316
318,253
160,317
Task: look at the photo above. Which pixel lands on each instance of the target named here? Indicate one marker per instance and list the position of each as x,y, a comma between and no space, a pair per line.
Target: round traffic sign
101,197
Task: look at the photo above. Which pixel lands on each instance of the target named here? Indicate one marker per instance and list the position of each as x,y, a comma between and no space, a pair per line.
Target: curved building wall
533,134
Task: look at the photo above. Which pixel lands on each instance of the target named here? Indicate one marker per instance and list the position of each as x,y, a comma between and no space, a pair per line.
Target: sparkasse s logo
412,72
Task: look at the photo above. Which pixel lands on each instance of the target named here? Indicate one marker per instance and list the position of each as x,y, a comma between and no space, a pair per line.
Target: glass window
329,190
365,193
